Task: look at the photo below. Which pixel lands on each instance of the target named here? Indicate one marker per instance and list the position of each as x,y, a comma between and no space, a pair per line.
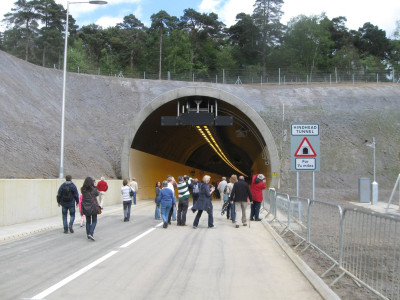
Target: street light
61,174
374,183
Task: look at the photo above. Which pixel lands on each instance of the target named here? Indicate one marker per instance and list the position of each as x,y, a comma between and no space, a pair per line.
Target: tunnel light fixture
207,135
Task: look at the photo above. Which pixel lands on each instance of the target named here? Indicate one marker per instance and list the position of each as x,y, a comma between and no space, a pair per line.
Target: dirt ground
345,288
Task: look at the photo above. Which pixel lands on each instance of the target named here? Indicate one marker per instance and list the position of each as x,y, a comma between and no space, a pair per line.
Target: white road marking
137,238
73,276
60,284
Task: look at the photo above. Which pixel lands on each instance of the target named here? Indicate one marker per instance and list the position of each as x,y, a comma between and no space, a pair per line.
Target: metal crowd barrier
361,243
324,230
370,251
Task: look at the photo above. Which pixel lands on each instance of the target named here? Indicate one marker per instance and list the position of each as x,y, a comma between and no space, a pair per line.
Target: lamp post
374,183
61,174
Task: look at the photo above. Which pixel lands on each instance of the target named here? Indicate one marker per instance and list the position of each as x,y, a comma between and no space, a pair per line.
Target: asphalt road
138,260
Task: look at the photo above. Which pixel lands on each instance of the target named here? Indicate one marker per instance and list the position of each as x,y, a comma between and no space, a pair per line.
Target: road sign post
305,149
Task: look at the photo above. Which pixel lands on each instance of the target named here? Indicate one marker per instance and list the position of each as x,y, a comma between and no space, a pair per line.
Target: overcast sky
383,14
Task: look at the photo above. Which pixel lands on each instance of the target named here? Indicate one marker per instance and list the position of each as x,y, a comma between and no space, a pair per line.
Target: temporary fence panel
282,209
370,251
299,218
269,201
324,230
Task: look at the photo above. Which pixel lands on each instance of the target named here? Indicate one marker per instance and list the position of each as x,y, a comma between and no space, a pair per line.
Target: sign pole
298,184
313,185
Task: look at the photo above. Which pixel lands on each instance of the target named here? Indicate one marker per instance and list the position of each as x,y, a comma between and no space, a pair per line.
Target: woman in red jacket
257,187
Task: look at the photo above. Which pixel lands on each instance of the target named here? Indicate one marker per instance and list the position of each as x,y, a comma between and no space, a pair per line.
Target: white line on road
73,276
60,284
137,238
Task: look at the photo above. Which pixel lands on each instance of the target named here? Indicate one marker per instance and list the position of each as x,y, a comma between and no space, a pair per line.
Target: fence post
216,78
223,76
193,77
330,79
279,74
336,74
169,75
144,75
353,78
261,80
377,78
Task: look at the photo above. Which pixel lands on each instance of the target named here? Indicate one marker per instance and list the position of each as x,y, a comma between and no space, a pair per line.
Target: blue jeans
233,213
64,216
157,214
165,209
255,210
210,217
134,197
127,209
91,222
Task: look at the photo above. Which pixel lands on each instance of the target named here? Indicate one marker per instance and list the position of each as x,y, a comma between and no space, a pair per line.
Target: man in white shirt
221,188
134,187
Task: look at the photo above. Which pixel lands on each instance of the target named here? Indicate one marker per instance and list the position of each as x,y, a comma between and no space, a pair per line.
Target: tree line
200,43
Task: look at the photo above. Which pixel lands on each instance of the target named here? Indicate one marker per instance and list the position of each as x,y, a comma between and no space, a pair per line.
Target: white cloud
106,22
383,14
226,10
207,6
231,8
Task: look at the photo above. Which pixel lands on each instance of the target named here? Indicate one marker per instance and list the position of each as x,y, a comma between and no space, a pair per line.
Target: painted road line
137,238
60,284
73,276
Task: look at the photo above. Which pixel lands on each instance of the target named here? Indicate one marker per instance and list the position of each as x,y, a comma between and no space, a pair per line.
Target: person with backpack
66,197
194,186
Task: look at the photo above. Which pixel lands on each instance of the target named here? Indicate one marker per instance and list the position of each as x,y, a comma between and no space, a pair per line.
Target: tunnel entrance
151,151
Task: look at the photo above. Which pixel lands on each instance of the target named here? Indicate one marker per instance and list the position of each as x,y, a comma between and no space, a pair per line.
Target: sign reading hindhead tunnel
305,147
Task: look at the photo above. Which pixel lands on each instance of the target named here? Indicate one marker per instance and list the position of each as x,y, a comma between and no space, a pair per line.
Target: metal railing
362,244
370,251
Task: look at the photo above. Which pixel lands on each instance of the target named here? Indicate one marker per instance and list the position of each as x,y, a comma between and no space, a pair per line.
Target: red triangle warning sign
305,149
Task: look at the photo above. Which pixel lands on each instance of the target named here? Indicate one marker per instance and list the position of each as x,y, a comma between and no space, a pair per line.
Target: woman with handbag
90,206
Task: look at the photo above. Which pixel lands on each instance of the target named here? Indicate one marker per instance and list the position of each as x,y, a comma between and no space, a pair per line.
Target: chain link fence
279,76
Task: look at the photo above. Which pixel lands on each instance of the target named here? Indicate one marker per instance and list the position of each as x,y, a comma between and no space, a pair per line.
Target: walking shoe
165,225
258,219
65,231
194,227
212,227
91,237
237,226
70,229
251,219
244,224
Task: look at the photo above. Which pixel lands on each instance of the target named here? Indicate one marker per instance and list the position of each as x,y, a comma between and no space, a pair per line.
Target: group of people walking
91,202
235,195
68,197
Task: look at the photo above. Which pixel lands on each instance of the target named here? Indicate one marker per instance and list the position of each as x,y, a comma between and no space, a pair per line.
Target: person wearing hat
257,187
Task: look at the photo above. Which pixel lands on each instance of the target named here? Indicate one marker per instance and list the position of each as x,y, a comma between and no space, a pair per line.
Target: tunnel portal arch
242,110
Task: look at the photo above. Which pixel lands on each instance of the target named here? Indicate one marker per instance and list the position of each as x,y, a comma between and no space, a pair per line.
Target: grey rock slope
100,109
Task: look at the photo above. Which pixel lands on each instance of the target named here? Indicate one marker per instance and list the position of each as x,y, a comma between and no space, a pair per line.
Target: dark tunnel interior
242,142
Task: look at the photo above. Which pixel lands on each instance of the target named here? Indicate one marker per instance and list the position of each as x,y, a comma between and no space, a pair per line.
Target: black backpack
66,195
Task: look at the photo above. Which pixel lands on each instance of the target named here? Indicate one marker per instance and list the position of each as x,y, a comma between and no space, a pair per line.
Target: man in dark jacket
66,196
240,195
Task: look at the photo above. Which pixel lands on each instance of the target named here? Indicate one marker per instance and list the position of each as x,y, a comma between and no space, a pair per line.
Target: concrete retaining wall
23,200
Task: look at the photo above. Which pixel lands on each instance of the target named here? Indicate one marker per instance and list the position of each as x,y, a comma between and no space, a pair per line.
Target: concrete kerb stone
319,285
19,231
